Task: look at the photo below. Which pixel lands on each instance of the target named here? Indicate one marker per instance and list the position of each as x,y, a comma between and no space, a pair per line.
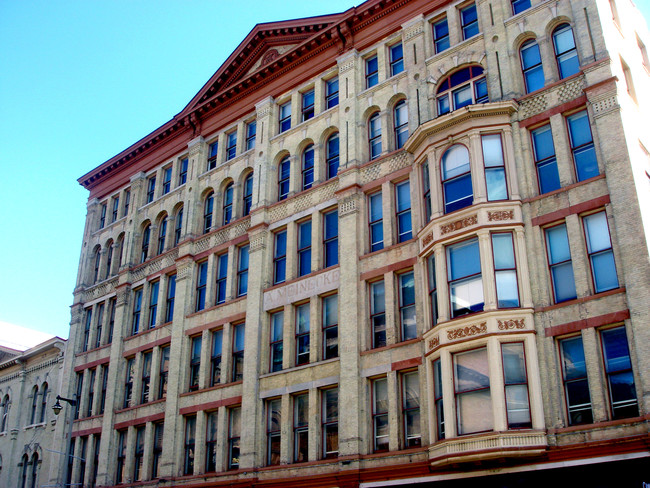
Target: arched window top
466,86
457,178
565,50
455,161
401,122
227,203
332,155
248,193
374,135
44,393
308,167
284,175
531,64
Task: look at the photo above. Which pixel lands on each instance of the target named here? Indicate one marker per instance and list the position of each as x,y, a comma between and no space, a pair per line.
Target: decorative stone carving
123,295
426,240
257,242
510,324
501,215
604,105
413,31
470,330
183,270
270,56
459,224
570,90
347,65
348,206
533,106
433,343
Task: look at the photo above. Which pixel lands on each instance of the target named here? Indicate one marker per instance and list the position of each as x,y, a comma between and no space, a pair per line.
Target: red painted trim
92,364
149,345
226,402
84,432
214,307
406,263
573,209
547,114
390,346
406,364
212,325
564,189
369,187
575,301
139,421
590,322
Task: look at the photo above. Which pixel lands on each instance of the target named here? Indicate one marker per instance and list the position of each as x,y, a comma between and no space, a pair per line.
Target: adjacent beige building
406,243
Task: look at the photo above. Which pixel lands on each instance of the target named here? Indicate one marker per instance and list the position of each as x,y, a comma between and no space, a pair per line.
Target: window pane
558,244
507,293
492,150
517,405
455,162
617,356
543,143
504,256
514,367
463,259
496,184
471,370
597,232
474,412
462,96
573,357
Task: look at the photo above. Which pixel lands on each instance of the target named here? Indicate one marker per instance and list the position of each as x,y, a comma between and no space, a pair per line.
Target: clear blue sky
79,82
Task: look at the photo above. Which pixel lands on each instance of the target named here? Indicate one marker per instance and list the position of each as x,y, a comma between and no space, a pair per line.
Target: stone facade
404,242
31,445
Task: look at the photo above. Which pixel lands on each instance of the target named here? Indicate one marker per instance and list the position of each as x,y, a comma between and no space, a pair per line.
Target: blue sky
79,82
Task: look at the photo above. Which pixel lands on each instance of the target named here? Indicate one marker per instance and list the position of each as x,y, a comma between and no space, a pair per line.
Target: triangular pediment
270,55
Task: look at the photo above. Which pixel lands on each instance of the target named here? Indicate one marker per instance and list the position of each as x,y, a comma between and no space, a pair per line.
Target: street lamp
57,406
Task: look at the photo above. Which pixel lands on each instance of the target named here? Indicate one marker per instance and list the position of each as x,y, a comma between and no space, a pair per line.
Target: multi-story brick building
406,241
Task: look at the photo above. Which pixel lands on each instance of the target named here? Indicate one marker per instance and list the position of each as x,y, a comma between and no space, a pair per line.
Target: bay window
472,391
466,86
464,278
456,178
495,173
438,403
505,271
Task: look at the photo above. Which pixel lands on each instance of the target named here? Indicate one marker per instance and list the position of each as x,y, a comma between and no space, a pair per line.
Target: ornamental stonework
427,239
501,215
433,343
257,242
270,56
510,324
348,206
122,295
459,224
470,330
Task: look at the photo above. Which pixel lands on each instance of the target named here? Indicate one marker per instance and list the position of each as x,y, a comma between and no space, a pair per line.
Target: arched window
463,87
456,178
23,475
565,51
284,175
162,233
248,194
227,204
4,421
96,261
109,259
34,470
44,393
207,212
178,228
308,167
401,121
332,156
120,246
531,64
146,235
374,135
32,416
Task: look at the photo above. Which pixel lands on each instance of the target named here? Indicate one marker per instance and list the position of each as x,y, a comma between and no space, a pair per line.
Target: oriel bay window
426,191
456,178
273,431
582,145
464,278
408,323
466,86
559,261
599,249
276,341
380,422
618,368
330,326
433,290
301,428
330,422
302,334
238,352
495,173
472,391
411,409
516,385
438,403
378,313
215,359
576,385
505,271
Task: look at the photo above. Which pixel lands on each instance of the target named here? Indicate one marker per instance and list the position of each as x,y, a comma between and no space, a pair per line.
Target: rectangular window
280,257
138,453
215,360
374,135
545,162
380,414
331,238
411,409
520,6
330,327
242,271
576,386
307,105
396,59
375,218
137,306
167,180
301,428
146,376
251,134
171,297
116,207
151,189
222,274
441,35
164,372
469,21
273,431
372,71
285,117
516,385
234,435
438,404
189,444
162,233
426,191
472,389
201,285
121,455
79,384
102,217
86,336
212,155
128,382
91,393
195,362
403,211
93,477
238,353
231,145
304,248
433,290
158,431
582,146
211,442
302,334
495,173
153,303
408,323
330,422
618,367
505,270
332,92
127,200
276,340
378,313
559,261
102,398
464,278
182,173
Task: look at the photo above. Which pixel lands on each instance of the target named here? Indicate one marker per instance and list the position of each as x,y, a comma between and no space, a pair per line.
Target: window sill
299,368
209,388
35,426
390,346
388,81
581,300
599,425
